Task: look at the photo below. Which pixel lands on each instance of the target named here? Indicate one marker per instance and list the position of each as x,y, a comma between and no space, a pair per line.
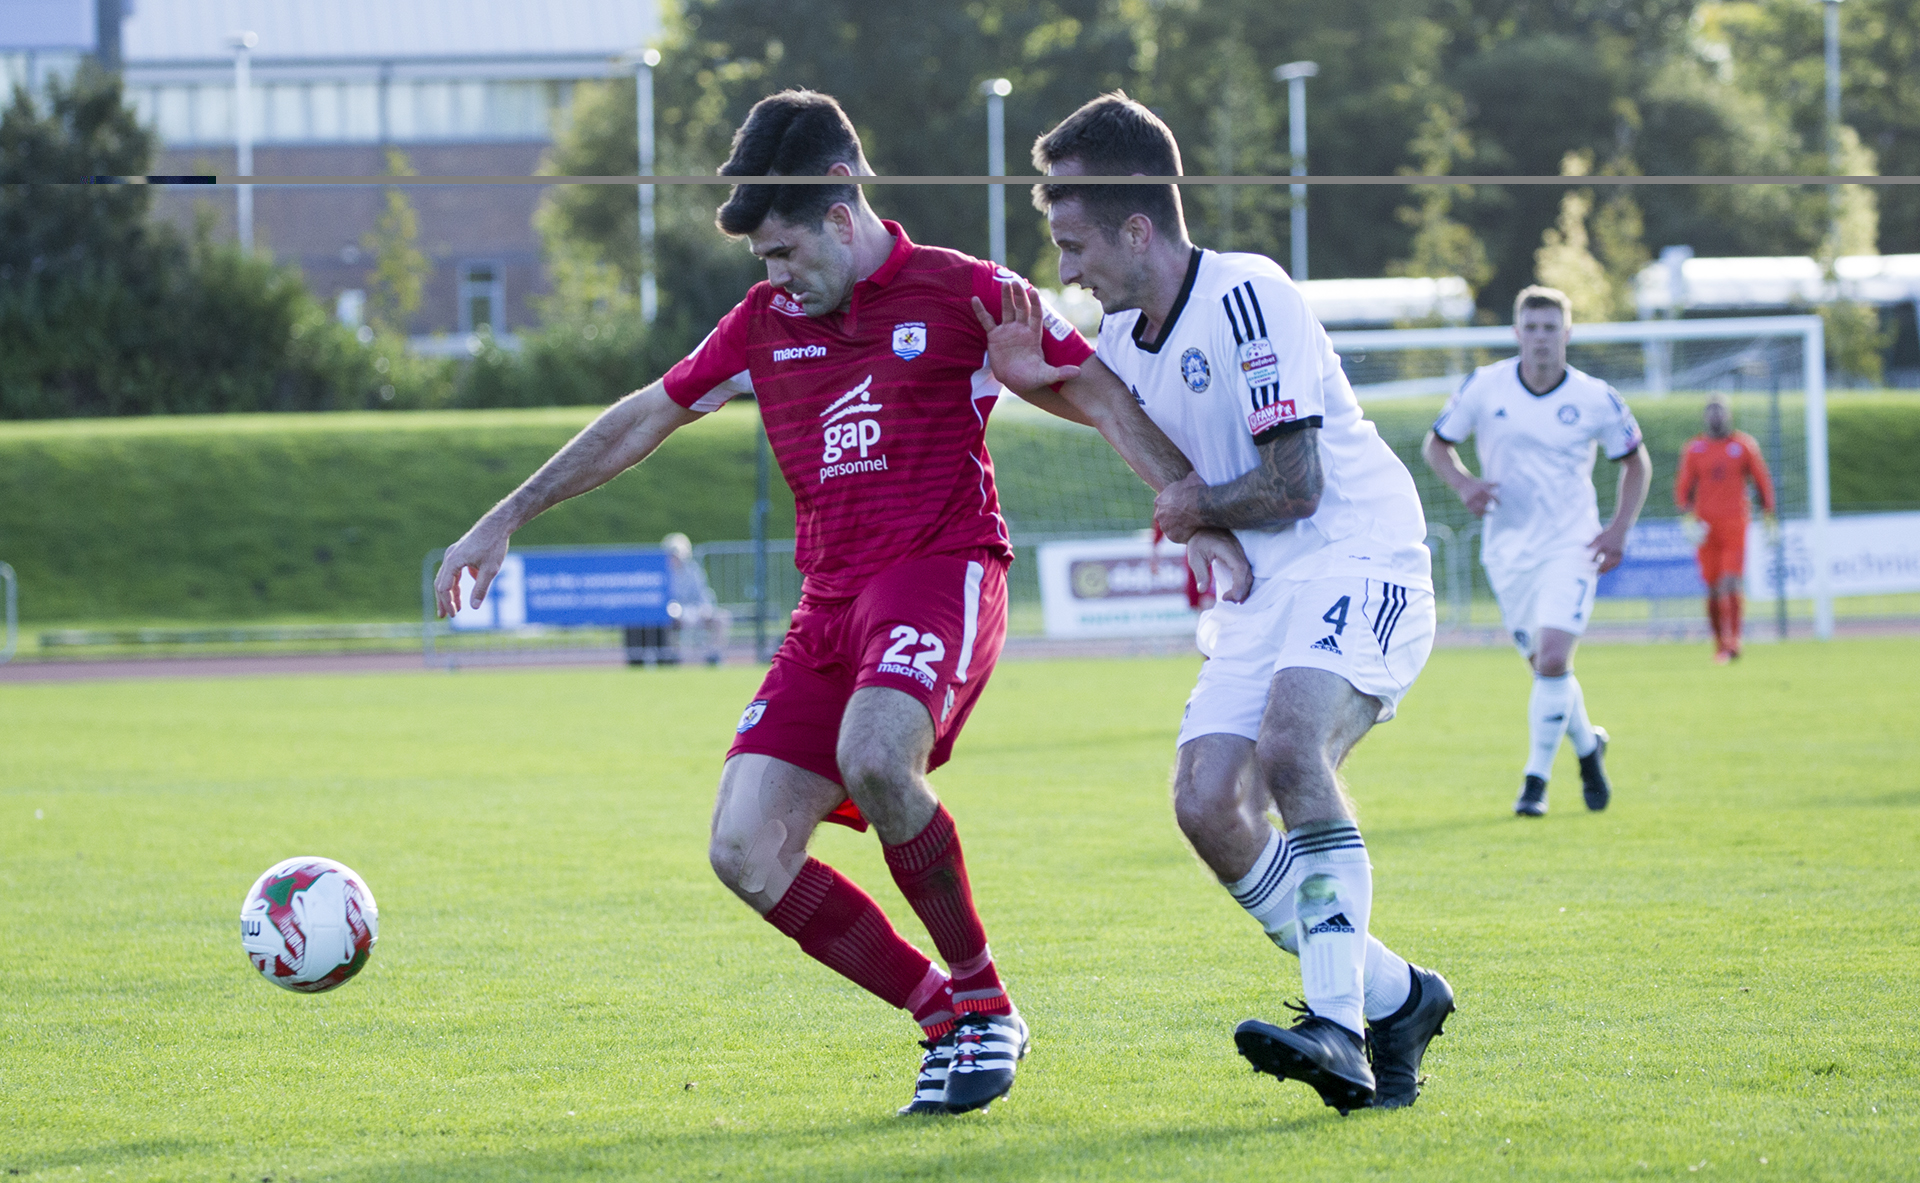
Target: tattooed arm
1280,490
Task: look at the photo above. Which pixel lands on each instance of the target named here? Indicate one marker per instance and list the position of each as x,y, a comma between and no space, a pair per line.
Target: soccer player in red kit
1711,487
870,369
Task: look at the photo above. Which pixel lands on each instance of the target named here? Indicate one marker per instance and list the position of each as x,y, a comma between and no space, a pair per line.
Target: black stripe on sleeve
1226,302
1254,300
1288,428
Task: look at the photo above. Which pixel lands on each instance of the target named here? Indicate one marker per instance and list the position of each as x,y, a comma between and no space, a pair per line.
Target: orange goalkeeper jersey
1714,472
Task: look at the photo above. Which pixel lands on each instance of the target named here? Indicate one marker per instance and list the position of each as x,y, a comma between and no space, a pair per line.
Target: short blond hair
1541,296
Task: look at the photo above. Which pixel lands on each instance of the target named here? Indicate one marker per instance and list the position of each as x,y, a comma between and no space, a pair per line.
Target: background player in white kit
1537,423
1226,359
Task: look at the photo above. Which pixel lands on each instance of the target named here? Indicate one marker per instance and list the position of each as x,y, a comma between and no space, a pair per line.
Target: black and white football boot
986,1049
1594,785
1533,798
930,1090
1397,1042
1318,1052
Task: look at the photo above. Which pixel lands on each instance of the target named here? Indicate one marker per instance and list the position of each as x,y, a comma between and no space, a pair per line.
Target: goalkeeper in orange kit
1712,488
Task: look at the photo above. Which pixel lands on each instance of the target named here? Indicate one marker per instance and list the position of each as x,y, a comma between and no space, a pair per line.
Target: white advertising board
1869,554
1115,587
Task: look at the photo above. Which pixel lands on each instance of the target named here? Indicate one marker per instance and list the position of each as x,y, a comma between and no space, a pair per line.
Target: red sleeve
1683,480
1061,343
1757,469
717,370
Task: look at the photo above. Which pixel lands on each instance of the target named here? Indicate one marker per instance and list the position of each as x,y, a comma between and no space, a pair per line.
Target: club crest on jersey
787,305
910,339
1569,414
1196,371
1258,363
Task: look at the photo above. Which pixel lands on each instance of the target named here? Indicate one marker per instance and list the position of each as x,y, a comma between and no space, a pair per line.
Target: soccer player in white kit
1537,422
1226,359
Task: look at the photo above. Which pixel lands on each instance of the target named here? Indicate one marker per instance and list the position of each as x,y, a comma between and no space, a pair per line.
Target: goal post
1645,360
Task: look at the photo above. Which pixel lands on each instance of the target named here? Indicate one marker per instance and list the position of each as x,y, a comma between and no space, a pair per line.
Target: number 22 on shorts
895,660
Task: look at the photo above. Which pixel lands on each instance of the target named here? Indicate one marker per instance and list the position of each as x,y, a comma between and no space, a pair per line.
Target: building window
483,303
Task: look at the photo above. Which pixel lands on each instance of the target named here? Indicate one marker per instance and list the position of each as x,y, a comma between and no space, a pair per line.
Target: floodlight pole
997,90
1833,117
643,63
1295,75
243,44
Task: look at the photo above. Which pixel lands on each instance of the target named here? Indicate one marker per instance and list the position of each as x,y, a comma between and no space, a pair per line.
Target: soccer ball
309,924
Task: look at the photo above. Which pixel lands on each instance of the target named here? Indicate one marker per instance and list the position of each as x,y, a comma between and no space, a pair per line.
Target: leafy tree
400,268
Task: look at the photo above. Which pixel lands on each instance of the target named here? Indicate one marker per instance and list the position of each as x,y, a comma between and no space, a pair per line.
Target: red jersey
1714,472
878,414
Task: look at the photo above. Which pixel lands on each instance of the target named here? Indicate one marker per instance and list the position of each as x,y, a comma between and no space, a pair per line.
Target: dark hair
798,133
1113,136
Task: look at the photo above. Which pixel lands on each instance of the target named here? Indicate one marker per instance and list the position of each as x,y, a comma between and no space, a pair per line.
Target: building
461,87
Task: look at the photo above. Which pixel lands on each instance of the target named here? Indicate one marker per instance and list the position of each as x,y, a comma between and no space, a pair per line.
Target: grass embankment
326,517
1715,976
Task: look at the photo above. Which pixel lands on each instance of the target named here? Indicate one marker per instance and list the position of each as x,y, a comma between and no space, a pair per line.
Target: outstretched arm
1280,490
620,437
1090,394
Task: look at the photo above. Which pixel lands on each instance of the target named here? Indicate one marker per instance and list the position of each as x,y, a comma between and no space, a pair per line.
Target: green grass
1721,969
327,516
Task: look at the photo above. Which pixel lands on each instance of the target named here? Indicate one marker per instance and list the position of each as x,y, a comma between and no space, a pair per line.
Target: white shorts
1375,635
1558,593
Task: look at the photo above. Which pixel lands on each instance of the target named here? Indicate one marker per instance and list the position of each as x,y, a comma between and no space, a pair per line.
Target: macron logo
800,352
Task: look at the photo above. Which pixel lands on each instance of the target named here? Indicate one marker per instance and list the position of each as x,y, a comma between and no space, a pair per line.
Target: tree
1441,246
400,268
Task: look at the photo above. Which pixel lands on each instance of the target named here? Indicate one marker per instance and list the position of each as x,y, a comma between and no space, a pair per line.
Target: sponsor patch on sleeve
1258,363
1272,415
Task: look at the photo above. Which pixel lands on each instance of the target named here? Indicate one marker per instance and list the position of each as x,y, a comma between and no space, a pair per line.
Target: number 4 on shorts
1337,615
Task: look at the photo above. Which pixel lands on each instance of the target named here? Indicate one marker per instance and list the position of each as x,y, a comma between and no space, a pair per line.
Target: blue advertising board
606,587
1659,565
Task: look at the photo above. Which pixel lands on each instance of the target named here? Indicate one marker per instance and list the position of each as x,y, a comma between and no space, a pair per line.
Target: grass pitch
1716,977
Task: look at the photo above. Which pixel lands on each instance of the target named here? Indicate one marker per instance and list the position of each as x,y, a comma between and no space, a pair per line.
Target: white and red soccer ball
309,924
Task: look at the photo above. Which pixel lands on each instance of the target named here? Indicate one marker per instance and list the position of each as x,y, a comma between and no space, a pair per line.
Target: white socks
1556,708
1346,973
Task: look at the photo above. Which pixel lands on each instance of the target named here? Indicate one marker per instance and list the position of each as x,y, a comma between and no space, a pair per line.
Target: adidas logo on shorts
1328,644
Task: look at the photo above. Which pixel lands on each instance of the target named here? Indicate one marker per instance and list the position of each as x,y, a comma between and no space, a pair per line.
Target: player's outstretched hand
1692,529
1015,342
1609,546
1770,525
480,550
1220,565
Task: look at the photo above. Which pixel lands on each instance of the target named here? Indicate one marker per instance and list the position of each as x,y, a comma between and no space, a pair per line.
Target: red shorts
931,628
1724,552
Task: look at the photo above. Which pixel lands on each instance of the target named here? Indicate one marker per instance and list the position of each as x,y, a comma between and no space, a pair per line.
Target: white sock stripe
971,596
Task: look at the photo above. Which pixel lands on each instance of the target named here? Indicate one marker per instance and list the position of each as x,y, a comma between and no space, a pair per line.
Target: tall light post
243,44
643,63
1295,75
1833,118
997,90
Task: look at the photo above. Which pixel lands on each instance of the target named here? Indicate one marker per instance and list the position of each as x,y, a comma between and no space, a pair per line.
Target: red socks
1736,607
1715,617
1725,611
841,927
931,873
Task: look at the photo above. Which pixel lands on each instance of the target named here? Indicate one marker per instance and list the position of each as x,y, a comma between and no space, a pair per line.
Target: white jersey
1539,448
1241,361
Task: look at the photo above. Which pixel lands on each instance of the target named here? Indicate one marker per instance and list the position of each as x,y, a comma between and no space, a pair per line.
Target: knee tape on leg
763,857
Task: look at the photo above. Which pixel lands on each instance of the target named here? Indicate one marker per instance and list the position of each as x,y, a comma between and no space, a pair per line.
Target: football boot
1594,785
930,1090
1533,798
1319,1052
985,1051
1397,1042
